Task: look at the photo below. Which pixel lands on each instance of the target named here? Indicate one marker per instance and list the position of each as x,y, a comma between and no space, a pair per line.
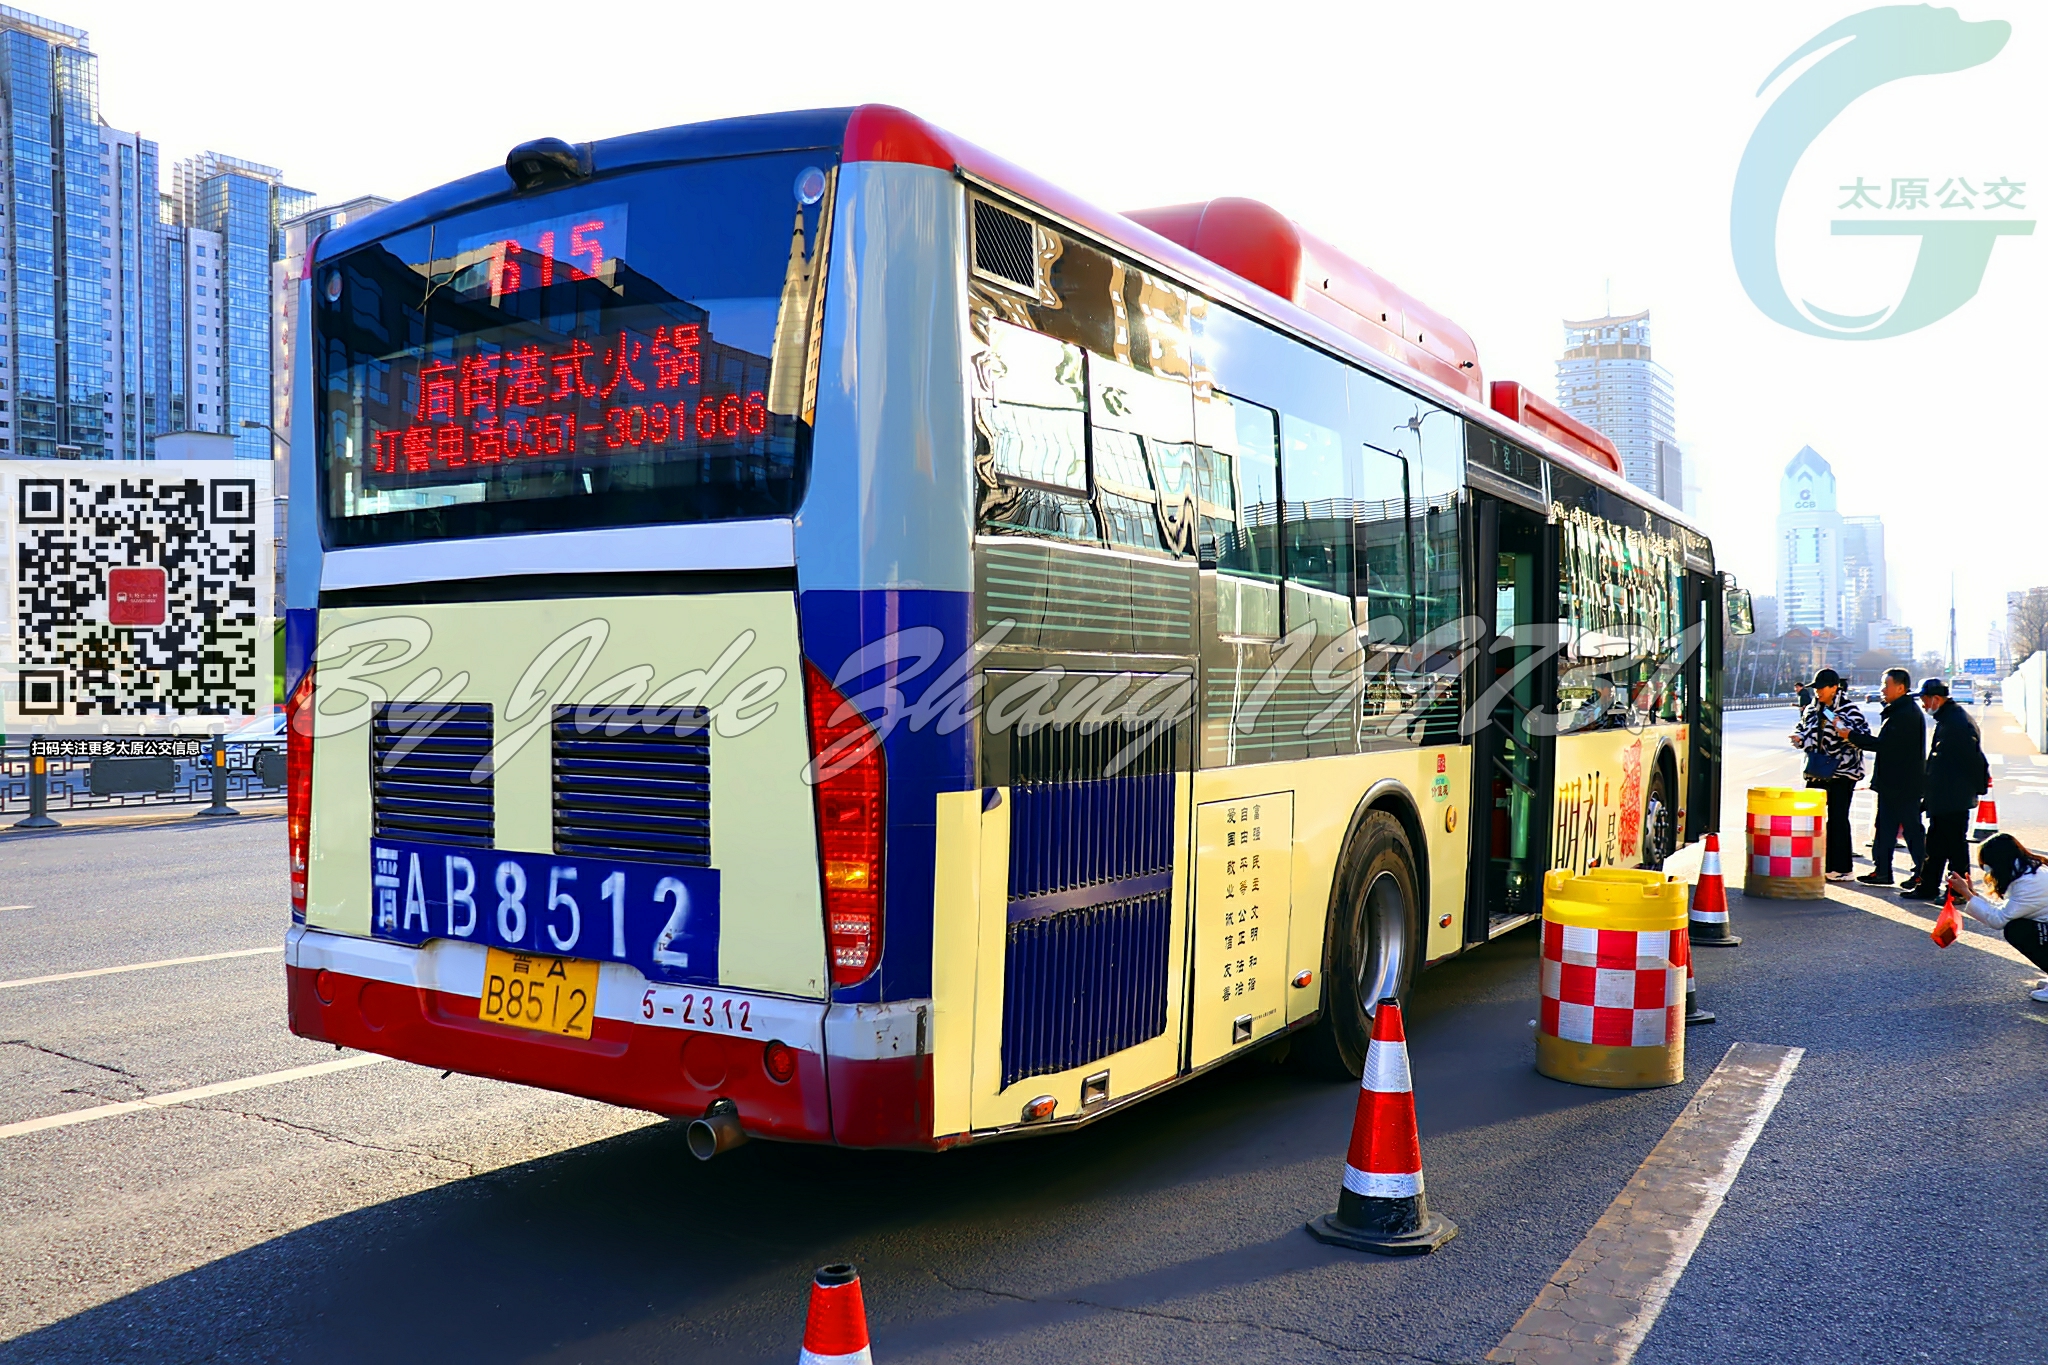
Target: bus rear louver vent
638,793
1003,248
1091,882
430,772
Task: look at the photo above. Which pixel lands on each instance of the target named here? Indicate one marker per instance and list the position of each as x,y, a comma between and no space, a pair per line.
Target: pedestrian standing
1830,733
2019,877
1897,777
1957,774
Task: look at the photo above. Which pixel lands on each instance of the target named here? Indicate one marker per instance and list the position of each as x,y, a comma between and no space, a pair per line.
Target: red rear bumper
651,1047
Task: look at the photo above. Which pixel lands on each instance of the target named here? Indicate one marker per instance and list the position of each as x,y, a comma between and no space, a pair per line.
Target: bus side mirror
1741,615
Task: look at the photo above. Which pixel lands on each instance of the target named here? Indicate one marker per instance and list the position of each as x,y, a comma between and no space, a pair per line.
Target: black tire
1660,820
1370,946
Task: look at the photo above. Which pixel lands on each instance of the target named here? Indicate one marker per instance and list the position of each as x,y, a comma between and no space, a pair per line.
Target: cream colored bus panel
1243,880
735,653
1603,782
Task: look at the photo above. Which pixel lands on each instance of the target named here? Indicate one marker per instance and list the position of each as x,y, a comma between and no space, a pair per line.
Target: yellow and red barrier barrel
1613,979
1788,844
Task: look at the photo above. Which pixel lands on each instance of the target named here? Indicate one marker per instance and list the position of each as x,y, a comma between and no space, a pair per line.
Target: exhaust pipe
718,1131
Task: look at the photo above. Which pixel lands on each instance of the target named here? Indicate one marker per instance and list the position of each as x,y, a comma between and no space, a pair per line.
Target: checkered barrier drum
1613,987
1787,845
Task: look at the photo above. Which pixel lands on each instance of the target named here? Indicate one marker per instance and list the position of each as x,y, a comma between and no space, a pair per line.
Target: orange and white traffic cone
1693,1013
1382,1207
836,1328
1986,823
1707,921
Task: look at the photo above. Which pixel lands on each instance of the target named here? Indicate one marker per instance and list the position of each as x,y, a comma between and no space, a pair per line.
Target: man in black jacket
1957,774
1901,748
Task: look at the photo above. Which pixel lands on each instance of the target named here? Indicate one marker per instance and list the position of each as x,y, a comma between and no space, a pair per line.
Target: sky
1511,164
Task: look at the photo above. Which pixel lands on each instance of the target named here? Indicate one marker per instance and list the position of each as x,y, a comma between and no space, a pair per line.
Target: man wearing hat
1957,774
1901,770
1831,735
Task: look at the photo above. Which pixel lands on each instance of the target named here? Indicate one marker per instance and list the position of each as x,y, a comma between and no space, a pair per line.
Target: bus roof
879,132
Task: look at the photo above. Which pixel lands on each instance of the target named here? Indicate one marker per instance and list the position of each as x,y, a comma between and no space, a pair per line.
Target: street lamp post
251,424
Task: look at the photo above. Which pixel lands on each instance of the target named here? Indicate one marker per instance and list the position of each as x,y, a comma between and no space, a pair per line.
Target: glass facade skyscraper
58,253
125,313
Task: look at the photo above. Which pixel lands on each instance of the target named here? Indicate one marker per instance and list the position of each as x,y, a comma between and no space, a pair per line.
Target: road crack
1398,1358
126,1077
328,1135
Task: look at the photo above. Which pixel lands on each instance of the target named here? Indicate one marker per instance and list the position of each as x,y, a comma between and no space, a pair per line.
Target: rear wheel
1660,821
1371,944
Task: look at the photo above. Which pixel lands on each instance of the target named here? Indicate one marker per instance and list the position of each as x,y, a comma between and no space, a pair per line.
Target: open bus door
1516,571
1704,605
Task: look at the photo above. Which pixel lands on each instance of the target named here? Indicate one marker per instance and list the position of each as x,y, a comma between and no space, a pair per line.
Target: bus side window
1030,434
1385,547
1621,599
1317,526
1141,430
1237,486
1429,441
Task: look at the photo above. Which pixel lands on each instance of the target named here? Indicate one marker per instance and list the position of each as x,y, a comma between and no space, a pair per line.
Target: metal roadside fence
127,774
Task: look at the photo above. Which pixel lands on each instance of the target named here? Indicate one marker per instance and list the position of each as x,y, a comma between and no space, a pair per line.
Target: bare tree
2027,625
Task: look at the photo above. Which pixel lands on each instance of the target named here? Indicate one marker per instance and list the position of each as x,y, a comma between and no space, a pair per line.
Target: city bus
798,625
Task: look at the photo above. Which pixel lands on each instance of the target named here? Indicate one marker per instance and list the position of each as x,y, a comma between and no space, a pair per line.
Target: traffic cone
1693,1013
1707,921
1381,1206
1986,823
836,1328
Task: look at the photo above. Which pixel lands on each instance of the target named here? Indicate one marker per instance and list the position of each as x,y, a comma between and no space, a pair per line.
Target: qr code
144,590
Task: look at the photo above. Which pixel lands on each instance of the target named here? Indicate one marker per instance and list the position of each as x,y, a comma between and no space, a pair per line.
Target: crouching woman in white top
2020,878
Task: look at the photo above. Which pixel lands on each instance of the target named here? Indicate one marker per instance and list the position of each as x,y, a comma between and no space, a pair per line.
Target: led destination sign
531,402
627,351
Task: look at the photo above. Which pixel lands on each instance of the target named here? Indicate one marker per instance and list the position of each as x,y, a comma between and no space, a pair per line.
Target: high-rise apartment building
232,211
1888,637
1608,381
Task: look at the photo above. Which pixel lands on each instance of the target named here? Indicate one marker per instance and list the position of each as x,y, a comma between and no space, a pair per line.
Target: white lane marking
1605,1298
17,907
197,1092
1970,938
136,966
1997,760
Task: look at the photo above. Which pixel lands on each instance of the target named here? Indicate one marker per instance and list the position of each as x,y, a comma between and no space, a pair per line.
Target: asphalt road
1890,1209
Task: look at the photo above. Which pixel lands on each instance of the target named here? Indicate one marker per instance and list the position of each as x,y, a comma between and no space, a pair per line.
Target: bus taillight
846,781
298,785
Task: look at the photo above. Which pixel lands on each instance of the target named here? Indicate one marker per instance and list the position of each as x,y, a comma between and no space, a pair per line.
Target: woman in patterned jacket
1833,762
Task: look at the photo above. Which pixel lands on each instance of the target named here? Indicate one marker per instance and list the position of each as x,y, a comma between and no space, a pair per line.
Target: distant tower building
1863,581
1608,381
1809,546
232,211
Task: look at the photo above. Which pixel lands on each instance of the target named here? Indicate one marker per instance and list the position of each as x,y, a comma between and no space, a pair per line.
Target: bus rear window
627,351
